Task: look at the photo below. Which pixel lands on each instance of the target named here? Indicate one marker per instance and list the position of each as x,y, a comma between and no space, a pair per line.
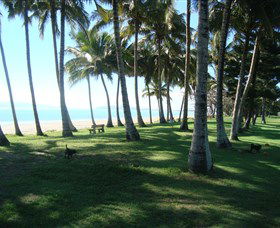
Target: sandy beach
28,128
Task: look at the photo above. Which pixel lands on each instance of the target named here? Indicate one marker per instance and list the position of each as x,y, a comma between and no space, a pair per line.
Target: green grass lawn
116,183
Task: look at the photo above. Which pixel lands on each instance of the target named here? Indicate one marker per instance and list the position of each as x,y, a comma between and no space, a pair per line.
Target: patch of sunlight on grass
30,198
162,157
230,169
270,165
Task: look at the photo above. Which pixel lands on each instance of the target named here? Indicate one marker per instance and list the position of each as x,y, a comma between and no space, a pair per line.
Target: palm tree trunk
168,99
3,139
170,110
53,23
17,129
184,125
200,159
120,124
235,117
263,110
36,117
181,109
150,107
161,113
109,122
251,74
139,116
131,131
222,139
90,102
66,131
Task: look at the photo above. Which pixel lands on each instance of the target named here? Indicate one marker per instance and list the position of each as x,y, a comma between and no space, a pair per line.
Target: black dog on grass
69,152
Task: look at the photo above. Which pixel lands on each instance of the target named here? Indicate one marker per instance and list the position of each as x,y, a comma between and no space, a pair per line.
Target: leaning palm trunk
184,125
169,109
53,21
3,139
150,107
200,159
36,117
263,110
131,131
251,75
181,109
66,131
222,139
139,116
17,130
120,124
90,102
109,122
235,118
161,113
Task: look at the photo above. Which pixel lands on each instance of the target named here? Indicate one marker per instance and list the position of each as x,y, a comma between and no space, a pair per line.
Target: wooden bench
98,127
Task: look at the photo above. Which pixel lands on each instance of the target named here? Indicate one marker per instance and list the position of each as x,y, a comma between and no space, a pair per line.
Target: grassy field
116,183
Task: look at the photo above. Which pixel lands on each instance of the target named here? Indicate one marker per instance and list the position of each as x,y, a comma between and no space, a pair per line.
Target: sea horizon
53,114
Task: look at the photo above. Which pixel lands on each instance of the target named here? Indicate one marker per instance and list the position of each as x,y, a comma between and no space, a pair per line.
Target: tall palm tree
200,159
22,7
222,139
131,131
119,122
3,139
235,116
184,124
66,131
17,129
48,9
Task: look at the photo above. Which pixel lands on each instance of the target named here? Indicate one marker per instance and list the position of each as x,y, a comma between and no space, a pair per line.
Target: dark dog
69,152
255,148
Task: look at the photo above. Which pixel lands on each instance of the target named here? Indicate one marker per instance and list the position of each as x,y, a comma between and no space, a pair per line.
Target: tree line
151,39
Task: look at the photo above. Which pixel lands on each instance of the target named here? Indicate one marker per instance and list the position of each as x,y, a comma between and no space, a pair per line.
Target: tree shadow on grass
111,183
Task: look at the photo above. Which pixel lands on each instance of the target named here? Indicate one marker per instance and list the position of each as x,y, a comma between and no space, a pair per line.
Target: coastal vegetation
149,174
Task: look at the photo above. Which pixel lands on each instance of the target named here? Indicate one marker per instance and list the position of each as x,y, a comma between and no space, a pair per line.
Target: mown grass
116,183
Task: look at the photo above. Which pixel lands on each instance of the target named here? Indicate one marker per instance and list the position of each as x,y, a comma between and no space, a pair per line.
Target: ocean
53,114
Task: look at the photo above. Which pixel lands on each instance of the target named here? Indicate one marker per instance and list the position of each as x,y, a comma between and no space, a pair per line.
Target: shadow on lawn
108,187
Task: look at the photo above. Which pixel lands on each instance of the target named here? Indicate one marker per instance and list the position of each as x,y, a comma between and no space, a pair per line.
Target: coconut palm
74,14
153,90
134,12
131,131
222,139
200,159
17,129
92,54
23,8
184,124
3,139
119,122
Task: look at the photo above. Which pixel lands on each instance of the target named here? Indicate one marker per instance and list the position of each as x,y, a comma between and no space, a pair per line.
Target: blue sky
43,70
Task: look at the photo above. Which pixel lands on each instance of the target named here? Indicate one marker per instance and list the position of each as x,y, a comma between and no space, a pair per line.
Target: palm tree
92,54
200,159
134,11
22,7
184,124
48,9
66,131
222,139
131,131
120,124
153,90
235,116
75,67
3,139
17,129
